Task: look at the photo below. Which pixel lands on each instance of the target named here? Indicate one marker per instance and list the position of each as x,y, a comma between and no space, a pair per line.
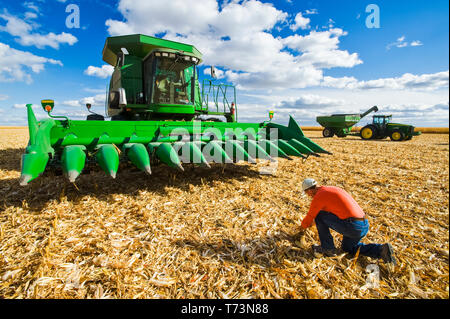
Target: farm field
224,232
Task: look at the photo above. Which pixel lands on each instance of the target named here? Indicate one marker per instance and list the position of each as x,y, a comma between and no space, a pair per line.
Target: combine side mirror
117,99
120,59
88,106
213,72
114,100
48,105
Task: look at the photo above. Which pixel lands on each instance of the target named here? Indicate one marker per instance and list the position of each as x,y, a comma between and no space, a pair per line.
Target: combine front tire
368,132
397,136
327,132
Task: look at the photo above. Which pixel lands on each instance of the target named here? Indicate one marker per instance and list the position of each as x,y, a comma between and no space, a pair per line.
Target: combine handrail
214,90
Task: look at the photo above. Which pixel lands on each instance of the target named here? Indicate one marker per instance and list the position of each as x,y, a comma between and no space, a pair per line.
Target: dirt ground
223,232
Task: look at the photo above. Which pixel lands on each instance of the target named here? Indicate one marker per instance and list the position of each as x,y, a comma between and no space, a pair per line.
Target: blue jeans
352,230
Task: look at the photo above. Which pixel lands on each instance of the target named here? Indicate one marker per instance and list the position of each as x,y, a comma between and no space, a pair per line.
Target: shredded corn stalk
224,232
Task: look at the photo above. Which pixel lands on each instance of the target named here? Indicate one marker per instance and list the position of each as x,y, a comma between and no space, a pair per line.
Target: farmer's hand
299,238
300,234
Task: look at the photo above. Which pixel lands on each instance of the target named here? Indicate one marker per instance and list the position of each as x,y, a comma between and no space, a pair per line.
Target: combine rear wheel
327,132
397,136
368,132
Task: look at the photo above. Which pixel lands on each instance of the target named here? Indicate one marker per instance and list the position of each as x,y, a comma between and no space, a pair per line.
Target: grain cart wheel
327,132
368,132
397,136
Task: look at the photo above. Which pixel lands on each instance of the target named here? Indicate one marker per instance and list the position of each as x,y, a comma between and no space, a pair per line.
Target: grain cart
341,124
157,112
381,127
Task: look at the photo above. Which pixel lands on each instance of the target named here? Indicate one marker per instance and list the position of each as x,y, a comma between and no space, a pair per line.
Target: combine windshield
167,78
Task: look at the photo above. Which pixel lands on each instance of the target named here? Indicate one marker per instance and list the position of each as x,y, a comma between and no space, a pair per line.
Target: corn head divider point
157,112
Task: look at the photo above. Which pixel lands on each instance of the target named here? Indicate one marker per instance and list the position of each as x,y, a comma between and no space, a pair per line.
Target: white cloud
96,100
310,101
23,105
407,81
401,43
235,37
23,31
178,15
315,41
339,83
31,6
311,11
416,43
30,15
320,49
102,72
3,97
15,65
97,91
300,22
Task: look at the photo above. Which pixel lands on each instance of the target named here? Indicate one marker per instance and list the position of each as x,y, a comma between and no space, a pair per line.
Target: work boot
325,252
387,254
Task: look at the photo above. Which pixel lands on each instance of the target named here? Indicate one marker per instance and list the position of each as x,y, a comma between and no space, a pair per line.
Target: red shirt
334,200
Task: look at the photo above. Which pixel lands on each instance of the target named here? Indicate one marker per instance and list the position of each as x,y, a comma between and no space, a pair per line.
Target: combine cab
158,113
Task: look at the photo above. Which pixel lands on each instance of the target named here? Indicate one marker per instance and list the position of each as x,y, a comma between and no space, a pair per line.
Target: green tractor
381,128
341,124
157,112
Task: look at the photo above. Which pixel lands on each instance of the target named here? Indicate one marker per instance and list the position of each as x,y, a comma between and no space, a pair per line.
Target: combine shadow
264,250
129,181
10,159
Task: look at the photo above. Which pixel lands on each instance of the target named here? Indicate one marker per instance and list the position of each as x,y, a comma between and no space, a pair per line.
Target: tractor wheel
397,136
368,132
327,132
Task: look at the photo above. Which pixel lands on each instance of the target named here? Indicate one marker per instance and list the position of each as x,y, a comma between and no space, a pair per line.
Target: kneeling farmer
332,207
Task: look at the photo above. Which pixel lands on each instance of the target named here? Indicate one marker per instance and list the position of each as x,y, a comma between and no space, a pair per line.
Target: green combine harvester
158,113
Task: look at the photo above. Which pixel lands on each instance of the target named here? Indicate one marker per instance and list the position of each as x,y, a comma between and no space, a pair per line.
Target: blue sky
304,58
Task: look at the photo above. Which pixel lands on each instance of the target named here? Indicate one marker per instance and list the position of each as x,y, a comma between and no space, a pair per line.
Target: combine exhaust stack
155,104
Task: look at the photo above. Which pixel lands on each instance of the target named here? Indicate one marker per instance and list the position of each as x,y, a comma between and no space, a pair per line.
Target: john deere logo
270,114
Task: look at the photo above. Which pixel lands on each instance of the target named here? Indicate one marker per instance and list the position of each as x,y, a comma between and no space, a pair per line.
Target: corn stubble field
225,232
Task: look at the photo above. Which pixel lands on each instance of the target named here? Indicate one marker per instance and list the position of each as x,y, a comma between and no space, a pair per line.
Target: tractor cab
381,120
